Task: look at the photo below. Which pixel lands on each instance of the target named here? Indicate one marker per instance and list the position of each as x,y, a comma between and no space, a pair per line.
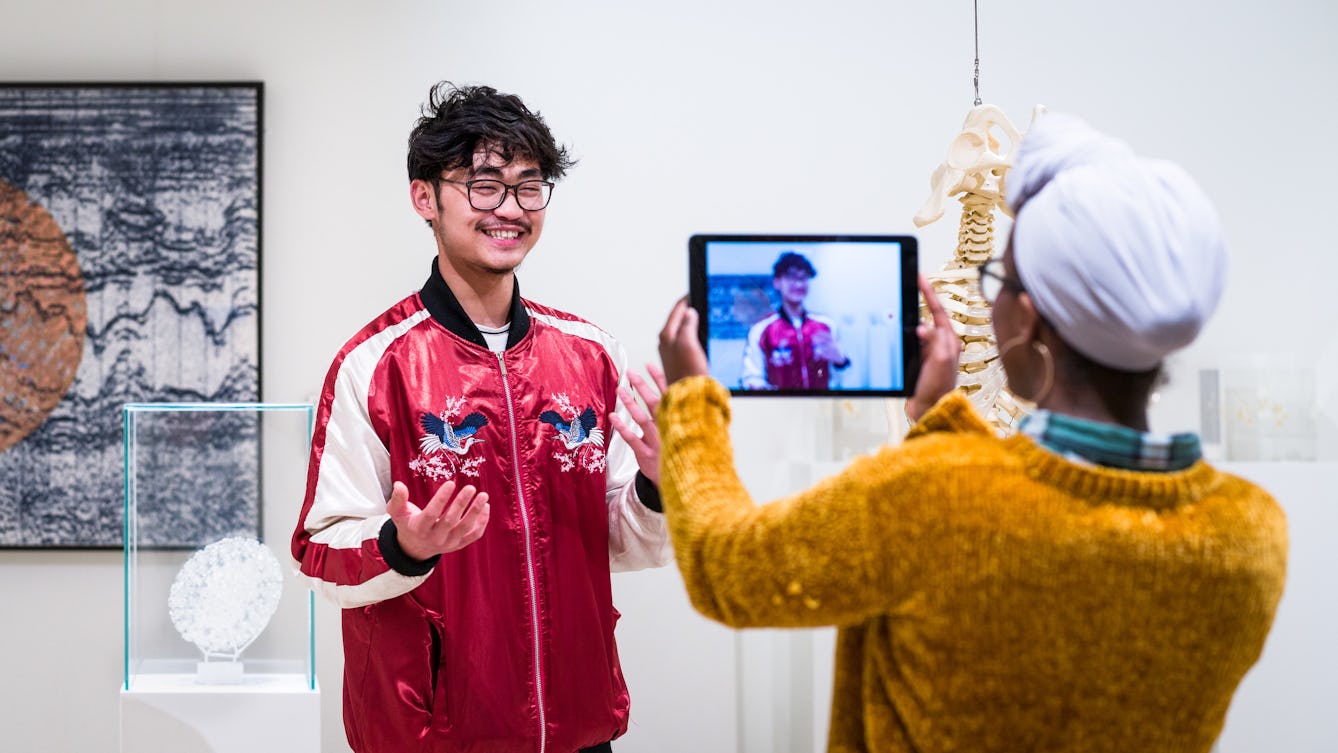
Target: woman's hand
940,356
680,348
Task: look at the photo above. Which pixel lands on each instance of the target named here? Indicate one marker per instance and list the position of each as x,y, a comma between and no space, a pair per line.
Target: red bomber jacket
780,354
508,643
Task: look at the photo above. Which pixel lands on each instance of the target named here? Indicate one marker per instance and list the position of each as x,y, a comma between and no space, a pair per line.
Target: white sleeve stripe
585,331
351,536
387,585
353,479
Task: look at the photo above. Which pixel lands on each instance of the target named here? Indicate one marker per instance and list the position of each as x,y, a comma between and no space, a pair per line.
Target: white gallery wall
687,116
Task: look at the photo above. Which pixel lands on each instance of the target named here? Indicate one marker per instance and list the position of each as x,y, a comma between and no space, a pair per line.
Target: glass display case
210,595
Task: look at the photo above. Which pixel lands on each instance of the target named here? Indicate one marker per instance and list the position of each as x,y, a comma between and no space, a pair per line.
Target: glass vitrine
210,595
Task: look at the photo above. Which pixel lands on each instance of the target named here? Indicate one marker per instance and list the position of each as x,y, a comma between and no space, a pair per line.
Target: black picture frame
132,241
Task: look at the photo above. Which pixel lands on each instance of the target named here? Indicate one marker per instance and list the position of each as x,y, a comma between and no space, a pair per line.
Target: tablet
805,315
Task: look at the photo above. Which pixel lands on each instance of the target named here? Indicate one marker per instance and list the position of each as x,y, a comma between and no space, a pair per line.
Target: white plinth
1286,702
174,713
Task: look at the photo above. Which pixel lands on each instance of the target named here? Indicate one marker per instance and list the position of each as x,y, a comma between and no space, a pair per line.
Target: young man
466,497
792,349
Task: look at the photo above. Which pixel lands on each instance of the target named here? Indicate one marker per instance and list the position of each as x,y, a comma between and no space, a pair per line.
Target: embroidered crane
573,434
441,435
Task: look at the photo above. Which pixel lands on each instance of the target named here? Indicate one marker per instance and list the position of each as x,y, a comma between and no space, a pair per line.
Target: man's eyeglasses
993,280
486,194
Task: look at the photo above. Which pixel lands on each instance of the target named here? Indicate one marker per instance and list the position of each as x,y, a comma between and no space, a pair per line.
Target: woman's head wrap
1123,255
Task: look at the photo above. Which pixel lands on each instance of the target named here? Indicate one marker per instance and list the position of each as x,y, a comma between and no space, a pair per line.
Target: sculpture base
219,673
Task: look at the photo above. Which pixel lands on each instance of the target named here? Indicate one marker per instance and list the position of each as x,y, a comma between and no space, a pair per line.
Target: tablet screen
804,315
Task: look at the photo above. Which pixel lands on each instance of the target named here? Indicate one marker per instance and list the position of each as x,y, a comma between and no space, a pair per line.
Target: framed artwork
129,273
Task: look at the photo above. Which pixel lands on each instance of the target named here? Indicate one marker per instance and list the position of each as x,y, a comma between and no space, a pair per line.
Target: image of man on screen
793,348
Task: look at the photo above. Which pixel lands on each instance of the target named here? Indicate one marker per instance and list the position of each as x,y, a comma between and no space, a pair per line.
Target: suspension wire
975,79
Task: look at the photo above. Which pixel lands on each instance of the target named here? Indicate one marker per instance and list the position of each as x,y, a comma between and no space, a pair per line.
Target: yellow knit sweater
991,596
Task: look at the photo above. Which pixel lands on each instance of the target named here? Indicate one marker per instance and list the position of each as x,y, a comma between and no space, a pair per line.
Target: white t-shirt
495,336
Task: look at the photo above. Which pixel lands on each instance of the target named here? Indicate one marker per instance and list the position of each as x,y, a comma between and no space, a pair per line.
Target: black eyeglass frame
988,270
513,188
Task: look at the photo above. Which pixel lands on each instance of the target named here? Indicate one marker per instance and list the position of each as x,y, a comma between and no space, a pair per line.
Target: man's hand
645,443
451,520
680,349
940,355
825,348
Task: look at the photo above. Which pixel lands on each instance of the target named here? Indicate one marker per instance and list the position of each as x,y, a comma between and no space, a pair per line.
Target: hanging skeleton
975,169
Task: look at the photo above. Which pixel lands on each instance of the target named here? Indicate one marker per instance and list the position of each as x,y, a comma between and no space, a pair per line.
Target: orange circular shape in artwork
43,315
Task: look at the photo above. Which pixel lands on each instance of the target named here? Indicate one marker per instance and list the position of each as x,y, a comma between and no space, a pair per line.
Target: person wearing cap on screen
1084,585
792,348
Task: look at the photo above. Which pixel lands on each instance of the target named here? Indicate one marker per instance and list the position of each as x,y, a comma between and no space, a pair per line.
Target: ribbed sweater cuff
694,434
694,399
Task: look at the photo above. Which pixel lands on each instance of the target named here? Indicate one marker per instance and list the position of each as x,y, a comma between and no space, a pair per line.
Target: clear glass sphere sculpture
225,595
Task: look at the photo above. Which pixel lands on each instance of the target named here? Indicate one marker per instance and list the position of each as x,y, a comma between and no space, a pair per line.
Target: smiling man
792,348
466,499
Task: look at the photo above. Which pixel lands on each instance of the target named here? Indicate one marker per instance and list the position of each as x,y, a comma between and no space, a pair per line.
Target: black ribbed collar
442,304
781,310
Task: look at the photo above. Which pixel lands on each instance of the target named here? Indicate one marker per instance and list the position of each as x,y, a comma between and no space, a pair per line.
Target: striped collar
1109,445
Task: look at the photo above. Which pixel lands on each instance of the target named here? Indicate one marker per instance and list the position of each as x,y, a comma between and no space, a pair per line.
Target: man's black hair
457,120
791,260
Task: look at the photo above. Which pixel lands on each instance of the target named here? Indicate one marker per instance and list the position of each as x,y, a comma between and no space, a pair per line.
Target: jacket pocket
436,691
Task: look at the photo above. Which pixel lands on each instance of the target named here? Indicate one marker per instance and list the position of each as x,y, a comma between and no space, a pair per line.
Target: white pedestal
173,713
1286,702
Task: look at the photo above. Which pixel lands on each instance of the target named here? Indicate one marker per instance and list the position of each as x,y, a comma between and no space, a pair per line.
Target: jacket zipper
803,356
529,558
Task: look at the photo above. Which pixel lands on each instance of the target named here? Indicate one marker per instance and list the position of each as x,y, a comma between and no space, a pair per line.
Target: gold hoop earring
1049,371
1045,356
